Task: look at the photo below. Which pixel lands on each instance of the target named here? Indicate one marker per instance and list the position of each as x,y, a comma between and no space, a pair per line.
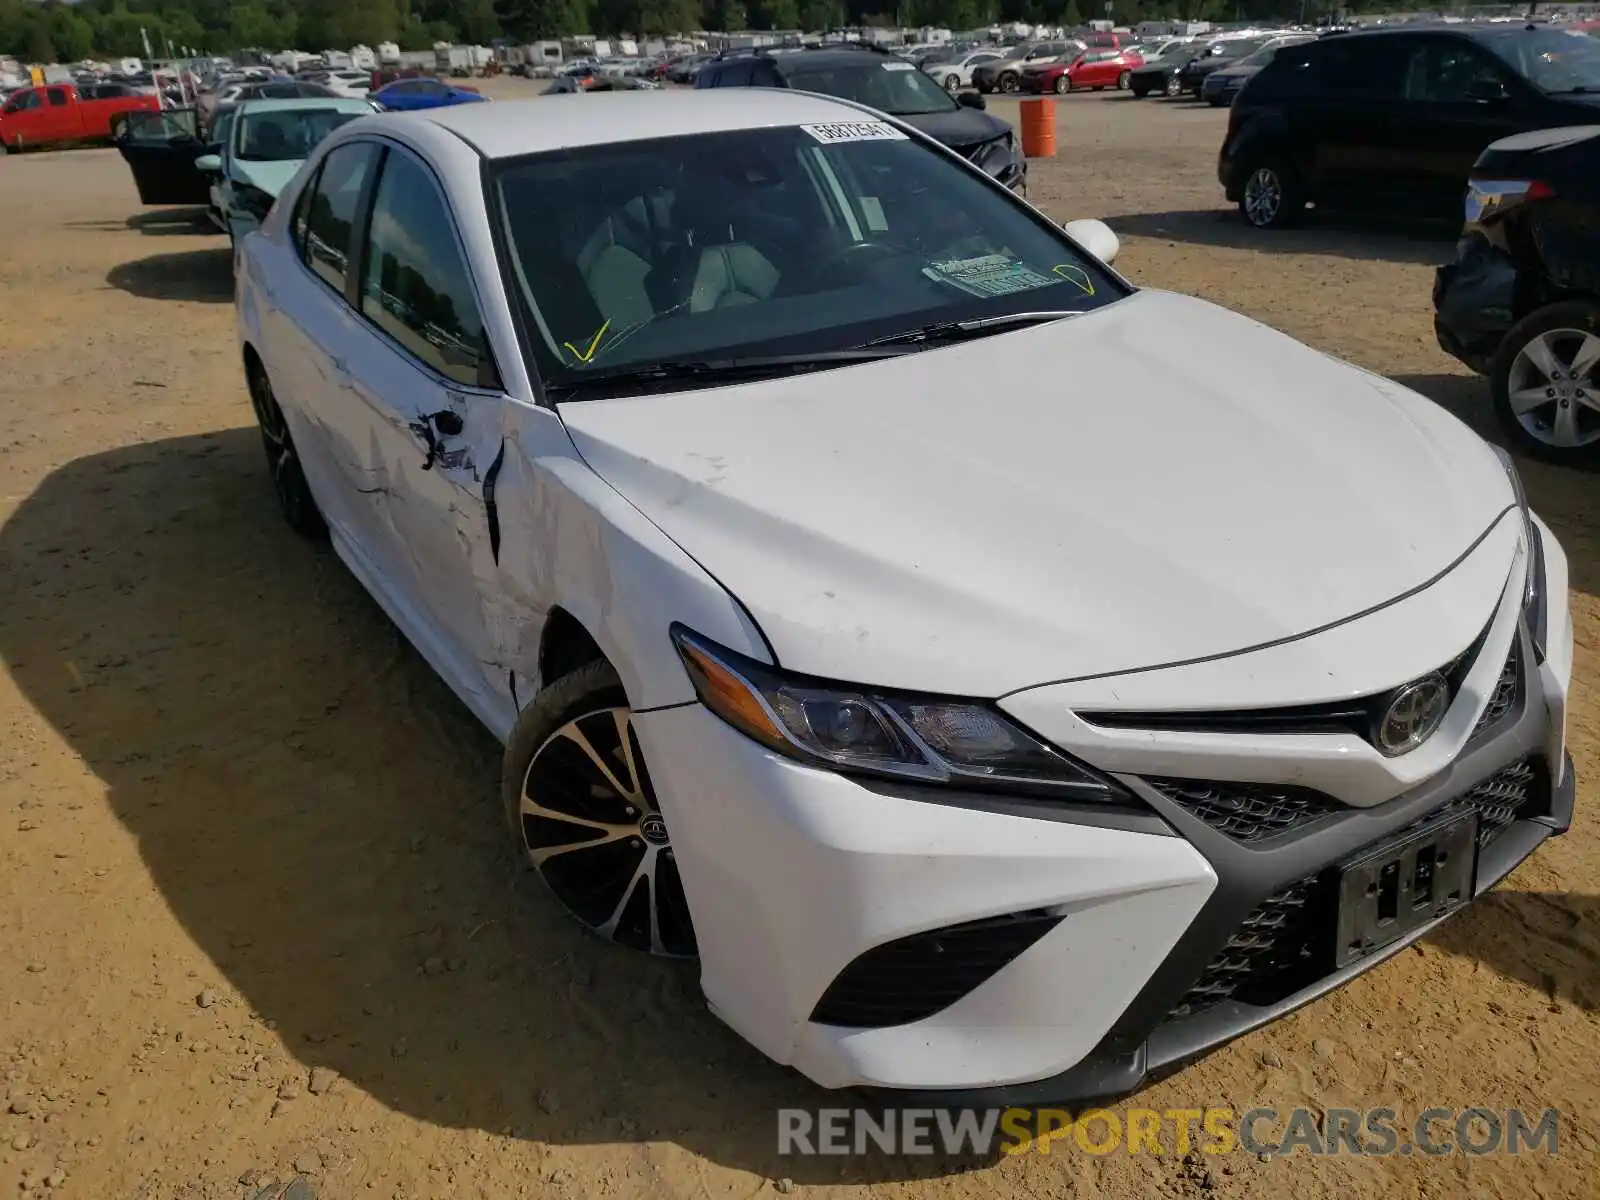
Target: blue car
405,95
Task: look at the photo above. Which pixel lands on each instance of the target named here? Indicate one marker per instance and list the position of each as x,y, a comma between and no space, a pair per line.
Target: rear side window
332,211
58,97
736,74
415,285
1364,68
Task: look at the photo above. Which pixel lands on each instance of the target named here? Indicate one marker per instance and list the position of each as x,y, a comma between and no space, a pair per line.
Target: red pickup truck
56,114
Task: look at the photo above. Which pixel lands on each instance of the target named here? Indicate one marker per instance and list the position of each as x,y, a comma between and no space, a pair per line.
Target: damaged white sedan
992,743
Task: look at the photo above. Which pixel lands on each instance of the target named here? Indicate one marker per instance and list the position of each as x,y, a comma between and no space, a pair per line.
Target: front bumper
975,950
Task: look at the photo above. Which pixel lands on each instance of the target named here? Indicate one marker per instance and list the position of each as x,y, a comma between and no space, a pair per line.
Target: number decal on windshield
855,131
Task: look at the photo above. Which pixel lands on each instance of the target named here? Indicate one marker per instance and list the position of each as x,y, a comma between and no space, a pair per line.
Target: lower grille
1285,943
1248,812
914,977
1269,955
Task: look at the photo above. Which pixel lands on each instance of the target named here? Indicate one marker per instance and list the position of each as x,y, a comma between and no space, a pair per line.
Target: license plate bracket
1392,889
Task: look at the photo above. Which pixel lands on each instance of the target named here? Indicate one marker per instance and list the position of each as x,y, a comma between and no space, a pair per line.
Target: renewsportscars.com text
1378,1132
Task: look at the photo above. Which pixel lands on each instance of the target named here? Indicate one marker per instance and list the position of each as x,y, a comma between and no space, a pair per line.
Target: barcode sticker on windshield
855,131
899,66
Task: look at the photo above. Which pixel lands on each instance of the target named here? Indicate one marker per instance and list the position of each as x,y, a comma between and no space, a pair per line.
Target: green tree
821,14
40,49
775,14
71,35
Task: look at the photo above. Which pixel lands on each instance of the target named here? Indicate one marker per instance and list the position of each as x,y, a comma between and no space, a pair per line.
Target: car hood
963,127
270,177
1163,481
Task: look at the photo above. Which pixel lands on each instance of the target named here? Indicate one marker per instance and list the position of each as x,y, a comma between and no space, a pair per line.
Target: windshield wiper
951,330
724,370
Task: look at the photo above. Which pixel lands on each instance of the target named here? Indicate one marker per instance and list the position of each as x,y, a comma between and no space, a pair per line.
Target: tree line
53,31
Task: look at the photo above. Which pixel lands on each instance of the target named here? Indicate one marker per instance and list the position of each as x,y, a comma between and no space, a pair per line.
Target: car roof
1481,32
515,127
337,103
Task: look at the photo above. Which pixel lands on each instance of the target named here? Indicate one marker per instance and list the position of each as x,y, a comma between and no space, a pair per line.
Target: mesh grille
912,978
1283,944
1247,812
1504,696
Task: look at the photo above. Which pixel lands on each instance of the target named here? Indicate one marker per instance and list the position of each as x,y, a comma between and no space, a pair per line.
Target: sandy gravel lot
257,917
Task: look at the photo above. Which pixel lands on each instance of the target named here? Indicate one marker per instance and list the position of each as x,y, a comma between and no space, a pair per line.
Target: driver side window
1450,72
23,102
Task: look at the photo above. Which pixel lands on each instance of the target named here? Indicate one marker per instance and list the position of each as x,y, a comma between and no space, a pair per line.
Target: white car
953,74
1007,743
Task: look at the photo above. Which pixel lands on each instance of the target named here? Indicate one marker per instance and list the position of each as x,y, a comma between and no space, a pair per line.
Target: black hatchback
872,76
1521,301
1391,121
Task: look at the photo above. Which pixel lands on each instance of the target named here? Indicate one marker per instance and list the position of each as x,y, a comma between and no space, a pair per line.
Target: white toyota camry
985,743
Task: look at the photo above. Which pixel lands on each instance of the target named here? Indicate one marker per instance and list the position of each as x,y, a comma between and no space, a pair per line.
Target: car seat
709,266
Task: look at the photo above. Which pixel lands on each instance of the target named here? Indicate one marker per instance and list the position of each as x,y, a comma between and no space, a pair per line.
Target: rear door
160,149
62,120
1345,121
1458,99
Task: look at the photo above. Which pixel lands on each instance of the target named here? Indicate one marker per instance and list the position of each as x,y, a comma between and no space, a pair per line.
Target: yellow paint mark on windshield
584,356
1076,276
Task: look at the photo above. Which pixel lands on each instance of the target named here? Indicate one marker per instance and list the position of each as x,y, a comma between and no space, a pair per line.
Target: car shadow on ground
1562,496
205,275
1545,940
321,815
161,222
1425,243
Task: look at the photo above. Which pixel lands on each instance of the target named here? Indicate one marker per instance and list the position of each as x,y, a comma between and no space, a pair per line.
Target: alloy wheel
1553,389
1009,82
592,829
1174,86
1063,85
952,83
1263,196
1124,80
287,478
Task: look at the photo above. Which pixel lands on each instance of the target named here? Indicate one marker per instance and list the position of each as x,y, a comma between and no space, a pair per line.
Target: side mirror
1096,237
208,162
972,100
1488,91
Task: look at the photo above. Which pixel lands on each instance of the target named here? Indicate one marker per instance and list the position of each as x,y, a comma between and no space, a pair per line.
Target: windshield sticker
586,356
1076,276
988,275
855,131
899,66
872,210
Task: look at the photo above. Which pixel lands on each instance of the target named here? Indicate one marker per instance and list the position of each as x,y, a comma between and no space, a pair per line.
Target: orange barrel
1039,127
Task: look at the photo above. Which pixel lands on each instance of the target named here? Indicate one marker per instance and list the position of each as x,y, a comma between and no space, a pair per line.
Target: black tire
1580,317
1264,178
295,501
1009,82
1124,80
1063,85
1216,101
1140,93
597,876
1173,88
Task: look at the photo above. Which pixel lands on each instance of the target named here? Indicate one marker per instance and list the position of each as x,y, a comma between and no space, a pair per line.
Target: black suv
872,76
1391,121
1521,301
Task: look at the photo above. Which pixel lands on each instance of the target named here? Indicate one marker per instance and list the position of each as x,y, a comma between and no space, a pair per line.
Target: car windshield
1238,51
786,240
1265,55
1551,60
892,86
285,135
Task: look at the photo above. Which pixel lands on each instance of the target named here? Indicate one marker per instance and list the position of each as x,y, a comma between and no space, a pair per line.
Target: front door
24,121
424,383
160,149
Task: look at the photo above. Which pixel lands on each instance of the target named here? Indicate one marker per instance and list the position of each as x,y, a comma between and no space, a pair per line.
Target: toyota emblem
1412,714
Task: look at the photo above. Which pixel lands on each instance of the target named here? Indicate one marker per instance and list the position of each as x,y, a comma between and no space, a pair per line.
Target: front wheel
1063,85
1273,197
1545,381
1009,82
952,83
295,500
584,816
1124,80
1216,101
1174,87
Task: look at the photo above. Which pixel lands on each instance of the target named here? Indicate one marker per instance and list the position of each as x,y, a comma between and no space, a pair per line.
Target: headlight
923,739
253,200
1533,597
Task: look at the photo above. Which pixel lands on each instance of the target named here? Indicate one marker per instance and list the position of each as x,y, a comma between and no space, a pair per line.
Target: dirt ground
257,916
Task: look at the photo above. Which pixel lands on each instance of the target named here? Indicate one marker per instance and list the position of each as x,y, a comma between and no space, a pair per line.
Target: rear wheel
1063,85
1273,197
1546,382
952,83
584,815
1009,81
